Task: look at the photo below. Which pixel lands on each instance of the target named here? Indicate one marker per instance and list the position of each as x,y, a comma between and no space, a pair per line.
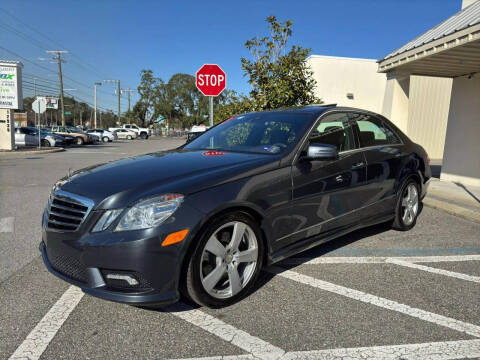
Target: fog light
129,279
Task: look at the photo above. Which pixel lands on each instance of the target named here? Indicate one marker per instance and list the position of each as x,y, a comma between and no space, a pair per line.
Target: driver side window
334,129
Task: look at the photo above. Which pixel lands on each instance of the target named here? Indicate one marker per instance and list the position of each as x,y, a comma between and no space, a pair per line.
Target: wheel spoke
214,277
405,201
249,255
405,215
234,278
237,235
215,247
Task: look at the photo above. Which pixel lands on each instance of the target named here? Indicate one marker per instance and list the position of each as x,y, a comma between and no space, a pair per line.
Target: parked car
193,135
28,136
102,134
92,137
205,218
143,133
80,137
125,134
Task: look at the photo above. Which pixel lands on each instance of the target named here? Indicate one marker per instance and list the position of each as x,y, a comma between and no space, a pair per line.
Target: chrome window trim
68,197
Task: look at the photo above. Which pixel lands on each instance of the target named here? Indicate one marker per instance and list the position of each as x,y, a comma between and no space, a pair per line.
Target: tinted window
373,131
335,129
266,132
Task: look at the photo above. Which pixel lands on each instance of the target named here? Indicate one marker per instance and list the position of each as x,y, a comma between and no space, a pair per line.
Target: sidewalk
454,198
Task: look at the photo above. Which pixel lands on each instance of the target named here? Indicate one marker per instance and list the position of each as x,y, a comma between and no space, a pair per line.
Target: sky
116,39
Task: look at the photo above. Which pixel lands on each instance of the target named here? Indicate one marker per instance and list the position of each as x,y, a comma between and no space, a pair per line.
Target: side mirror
319,151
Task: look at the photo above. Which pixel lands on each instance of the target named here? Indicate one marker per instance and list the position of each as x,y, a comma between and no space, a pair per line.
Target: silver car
28,136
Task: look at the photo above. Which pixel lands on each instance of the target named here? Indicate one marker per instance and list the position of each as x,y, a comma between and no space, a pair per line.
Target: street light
95,102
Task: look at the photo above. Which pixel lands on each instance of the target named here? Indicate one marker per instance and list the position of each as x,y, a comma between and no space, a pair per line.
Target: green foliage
278,79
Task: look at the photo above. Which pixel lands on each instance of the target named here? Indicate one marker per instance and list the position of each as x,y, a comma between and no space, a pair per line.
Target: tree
278,79
145,110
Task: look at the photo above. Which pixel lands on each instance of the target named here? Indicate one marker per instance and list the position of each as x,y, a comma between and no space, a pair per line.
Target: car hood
120,183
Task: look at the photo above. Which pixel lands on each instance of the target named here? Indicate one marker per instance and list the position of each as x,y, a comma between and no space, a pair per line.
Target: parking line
447,350
434,270
259,348
7,225
441,320
37,341
377,259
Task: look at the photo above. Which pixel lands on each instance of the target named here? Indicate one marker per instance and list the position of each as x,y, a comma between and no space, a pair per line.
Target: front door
326,194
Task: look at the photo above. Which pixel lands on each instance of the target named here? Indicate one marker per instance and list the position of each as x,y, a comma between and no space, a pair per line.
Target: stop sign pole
211,80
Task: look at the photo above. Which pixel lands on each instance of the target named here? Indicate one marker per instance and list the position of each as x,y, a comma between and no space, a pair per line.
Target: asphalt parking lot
376,293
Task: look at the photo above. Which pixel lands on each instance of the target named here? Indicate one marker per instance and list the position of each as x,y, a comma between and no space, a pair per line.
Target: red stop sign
211,80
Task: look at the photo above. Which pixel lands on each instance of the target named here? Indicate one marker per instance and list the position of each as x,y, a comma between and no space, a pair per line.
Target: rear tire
45,143
226,262
129,137
407,206
80,141
105,139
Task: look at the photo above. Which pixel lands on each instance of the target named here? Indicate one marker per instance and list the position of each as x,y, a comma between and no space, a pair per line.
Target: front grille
68,266
66,211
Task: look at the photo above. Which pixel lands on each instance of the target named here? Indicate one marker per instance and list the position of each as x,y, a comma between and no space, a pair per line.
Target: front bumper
85,259
97,287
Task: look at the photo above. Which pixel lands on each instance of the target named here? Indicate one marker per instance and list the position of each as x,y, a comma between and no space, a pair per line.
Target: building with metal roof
433,91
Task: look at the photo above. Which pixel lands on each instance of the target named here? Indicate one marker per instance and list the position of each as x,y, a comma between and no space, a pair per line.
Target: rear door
327,194
383,153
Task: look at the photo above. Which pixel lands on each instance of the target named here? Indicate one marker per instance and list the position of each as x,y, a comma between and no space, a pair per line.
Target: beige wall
395,101
461,157
337,76
429,102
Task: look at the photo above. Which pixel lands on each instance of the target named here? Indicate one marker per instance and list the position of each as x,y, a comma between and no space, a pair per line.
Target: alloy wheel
229,260
409,204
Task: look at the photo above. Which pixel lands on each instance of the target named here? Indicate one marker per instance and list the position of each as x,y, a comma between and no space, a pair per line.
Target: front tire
227,261
45,143
407,207
144,136
129,137
105,139
80,141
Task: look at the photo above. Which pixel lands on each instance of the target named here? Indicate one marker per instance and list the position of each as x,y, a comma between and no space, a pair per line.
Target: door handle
339,178
358,164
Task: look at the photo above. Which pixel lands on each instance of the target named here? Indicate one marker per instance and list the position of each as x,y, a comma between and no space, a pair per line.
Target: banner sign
11,96
51,103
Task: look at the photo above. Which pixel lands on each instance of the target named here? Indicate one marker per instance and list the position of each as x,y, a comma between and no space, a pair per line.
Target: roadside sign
211,80
68,113
39,105
52,102
11,96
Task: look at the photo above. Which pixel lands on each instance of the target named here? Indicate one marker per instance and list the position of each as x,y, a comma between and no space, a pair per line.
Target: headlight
149,213
106,219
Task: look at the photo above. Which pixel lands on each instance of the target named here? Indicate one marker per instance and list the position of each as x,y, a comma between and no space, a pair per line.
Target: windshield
267,133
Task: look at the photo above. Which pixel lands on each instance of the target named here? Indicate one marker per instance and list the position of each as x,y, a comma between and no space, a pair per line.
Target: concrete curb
452,209
34,152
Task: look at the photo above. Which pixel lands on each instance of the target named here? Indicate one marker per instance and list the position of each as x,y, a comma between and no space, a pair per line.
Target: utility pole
118,95
60,78
95,102
128,91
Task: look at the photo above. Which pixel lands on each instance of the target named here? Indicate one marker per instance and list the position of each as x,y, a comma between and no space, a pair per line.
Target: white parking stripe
462,349
37,341
7,225
257,347
434,270
377,260
441,320
438,351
